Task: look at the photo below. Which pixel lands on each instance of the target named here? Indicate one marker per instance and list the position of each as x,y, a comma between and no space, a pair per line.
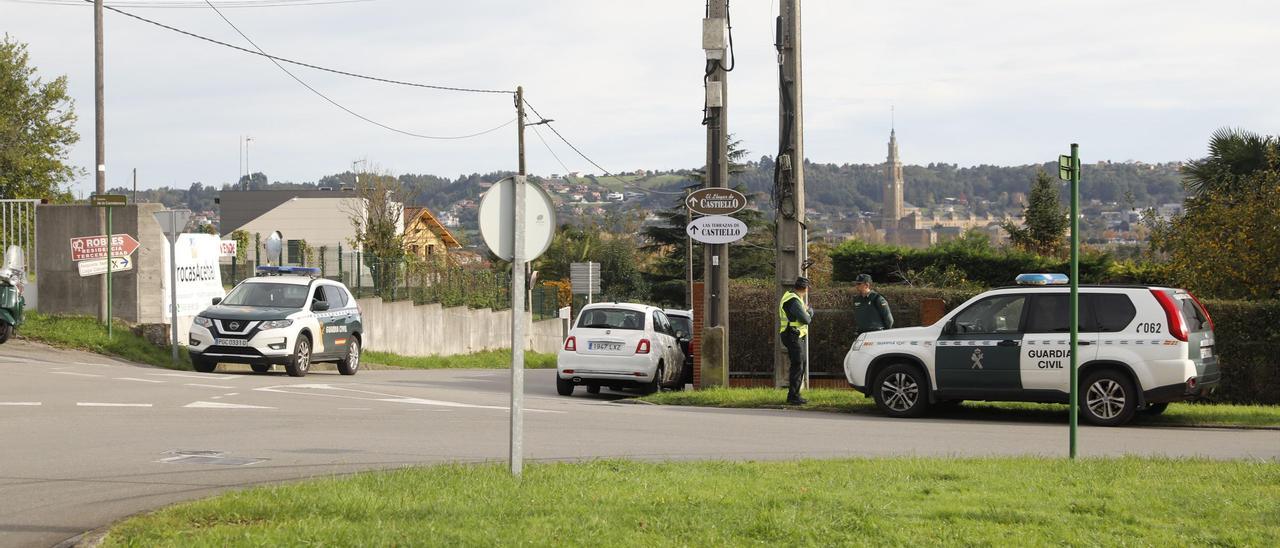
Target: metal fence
18,227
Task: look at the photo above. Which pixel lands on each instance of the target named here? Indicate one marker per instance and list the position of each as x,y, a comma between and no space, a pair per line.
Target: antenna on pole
892,118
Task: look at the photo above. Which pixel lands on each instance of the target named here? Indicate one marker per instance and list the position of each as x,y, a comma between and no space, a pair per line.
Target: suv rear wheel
300,361
564,387
902,391
1107,398
351,364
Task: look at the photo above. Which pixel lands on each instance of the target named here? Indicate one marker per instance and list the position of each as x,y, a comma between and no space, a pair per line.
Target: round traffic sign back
497,219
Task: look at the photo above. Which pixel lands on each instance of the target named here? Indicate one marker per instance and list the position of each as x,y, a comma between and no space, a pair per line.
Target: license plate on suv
1206,352
604,345
232,342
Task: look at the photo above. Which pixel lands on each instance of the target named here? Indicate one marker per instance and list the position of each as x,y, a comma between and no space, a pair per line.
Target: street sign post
496,214
1069,169
715,201
172,221
109,201
716,229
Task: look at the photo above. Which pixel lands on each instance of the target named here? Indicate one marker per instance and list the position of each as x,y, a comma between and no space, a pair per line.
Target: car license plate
233,342
1206,352
604,345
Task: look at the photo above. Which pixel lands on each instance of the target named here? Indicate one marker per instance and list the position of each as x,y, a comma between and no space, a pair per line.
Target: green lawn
848,401
86,333
492,359
889,502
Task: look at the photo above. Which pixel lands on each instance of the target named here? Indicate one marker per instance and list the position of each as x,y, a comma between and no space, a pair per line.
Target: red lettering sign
95,247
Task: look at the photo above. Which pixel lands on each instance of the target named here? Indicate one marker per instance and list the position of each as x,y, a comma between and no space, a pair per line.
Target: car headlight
203,321
277,324
857,343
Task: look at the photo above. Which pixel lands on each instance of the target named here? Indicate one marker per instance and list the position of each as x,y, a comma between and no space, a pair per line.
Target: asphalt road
88,440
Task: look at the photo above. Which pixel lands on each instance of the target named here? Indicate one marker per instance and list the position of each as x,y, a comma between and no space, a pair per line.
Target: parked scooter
12,277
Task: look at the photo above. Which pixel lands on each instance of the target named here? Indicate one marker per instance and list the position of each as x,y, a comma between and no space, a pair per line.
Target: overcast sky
976,82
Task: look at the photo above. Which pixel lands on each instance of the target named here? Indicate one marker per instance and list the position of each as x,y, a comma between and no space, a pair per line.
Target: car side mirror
217,300
320,306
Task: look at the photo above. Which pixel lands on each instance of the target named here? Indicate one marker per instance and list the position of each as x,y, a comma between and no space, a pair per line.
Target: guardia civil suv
285,316
1141,347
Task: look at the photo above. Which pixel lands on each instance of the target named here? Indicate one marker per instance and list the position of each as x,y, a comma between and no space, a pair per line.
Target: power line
196,4
593,162
337,104
553,153
302,64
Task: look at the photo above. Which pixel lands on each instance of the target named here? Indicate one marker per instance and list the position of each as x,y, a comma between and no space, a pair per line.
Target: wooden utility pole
716,256
792,237
100,147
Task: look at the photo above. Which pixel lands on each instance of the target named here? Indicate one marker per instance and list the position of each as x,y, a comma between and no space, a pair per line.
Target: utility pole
135,185
716,256
792,236
248,174
517,302
688,252
100,147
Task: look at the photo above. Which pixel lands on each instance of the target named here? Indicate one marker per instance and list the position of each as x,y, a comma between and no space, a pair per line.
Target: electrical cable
302,64
339,105
593,162
236,4
548,146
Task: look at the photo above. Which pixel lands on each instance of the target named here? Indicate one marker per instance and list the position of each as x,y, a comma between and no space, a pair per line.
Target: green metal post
1075,290
233,270
341,274
109,295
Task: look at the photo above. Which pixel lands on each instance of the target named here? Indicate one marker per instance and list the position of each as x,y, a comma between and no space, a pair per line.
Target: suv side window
1052,314
318,296
1113,311
999,314
336,296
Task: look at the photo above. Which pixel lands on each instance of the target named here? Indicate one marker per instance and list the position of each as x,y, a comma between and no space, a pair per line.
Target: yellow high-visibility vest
783,323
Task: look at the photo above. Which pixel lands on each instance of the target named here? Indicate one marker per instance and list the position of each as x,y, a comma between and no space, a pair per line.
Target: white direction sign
98,267
717,229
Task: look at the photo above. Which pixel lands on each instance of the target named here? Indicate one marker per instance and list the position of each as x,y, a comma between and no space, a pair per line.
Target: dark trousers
795,352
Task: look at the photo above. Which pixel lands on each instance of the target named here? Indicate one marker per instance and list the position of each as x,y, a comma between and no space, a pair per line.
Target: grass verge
895,501
86,333
490,359
848,401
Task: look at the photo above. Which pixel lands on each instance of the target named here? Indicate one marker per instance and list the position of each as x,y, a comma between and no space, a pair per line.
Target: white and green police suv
287,316
1140,348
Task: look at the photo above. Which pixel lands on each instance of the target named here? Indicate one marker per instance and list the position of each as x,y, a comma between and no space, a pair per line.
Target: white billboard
199,279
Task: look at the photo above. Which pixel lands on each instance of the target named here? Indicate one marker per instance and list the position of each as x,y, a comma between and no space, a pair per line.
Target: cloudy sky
977,82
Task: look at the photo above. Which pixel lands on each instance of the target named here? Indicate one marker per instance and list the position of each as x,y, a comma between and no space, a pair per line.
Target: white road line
232,394
195,376
220,405
93,404
87,363
138,380
379,396
74,373
32,403
355,409
207,385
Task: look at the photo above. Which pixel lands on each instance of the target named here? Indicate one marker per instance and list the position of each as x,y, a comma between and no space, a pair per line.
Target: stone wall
407,329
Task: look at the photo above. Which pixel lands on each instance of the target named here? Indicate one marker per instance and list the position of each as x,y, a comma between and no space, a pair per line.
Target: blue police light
279,270
1041,279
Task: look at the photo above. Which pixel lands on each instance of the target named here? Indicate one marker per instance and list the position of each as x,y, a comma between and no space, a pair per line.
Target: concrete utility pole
517,303
716,256
792,236
100,147
688,253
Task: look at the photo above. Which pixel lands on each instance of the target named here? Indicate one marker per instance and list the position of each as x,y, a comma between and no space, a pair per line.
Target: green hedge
1247,334
981,264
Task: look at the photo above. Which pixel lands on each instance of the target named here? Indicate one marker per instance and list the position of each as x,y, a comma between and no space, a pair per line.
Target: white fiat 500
620,345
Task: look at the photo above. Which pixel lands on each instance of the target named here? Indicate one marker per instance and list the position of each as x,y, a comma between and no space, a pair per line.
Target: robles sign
716,201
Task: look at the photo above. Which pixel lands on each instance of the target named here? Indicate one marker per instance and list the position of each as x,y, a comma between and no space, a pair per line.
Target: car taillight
1171,313
642,347
1203,310
571,344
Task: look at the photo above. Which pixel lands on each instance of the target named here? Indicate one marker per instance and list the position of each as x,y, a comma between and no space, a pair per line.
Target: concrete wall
432,330
135,292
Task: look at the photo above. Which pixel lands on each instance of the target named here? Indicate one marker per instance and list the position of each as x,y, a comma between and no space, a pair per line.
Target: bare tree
376,211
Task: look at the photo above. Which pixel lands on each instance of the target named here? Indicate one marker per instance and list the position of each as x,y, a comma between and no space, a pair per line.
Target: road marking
391,398
92,404
220,405
355,409
195,376
232,394
87,363
138,380
20,403
74,373
207,385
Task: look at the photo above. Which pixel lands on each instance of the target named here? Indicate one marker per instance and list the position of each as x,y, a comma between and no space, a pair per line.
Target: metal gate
18,227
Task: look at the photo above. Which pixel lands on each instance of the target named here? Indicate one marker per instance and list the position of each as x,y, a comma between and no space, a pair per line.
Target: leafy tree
1235,155
1045,220
37,129
376,213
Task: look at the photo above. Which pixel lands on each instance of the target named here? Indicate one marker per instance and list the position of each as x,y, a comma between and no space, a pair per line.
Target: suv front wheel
300,361
902,391
1108,398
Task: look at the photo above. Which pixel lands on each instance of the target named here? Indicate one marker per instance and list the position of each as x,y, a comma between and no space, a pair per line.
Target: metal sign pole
110,296
517,301
1075,290
173,284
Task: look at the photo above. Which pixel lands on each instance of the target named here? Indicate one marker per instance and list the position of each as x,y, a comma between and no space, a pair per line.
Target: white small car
1140,347
620,345
289,317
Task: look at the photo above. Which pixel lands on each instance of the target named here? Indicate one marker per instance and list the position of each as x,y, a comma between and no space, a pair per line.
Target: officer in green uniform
870,309
794,316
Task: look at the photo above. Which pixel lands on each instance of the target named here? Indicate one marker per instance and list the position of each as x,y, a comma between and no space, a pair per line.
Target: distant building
321,218
425,237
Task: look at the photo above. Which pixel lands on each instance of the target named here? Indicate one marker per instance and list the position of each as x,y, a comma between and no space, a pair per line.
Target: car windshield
681,324
612,318
268,295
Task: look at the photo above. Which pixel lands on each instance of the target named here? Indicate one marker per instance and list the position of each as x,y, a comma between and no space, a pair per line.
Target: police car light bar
299,270
1041,279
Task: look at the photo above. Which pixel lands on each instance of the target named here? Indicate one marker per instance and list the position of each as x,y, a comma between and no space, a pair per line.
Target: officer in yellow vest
794,316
